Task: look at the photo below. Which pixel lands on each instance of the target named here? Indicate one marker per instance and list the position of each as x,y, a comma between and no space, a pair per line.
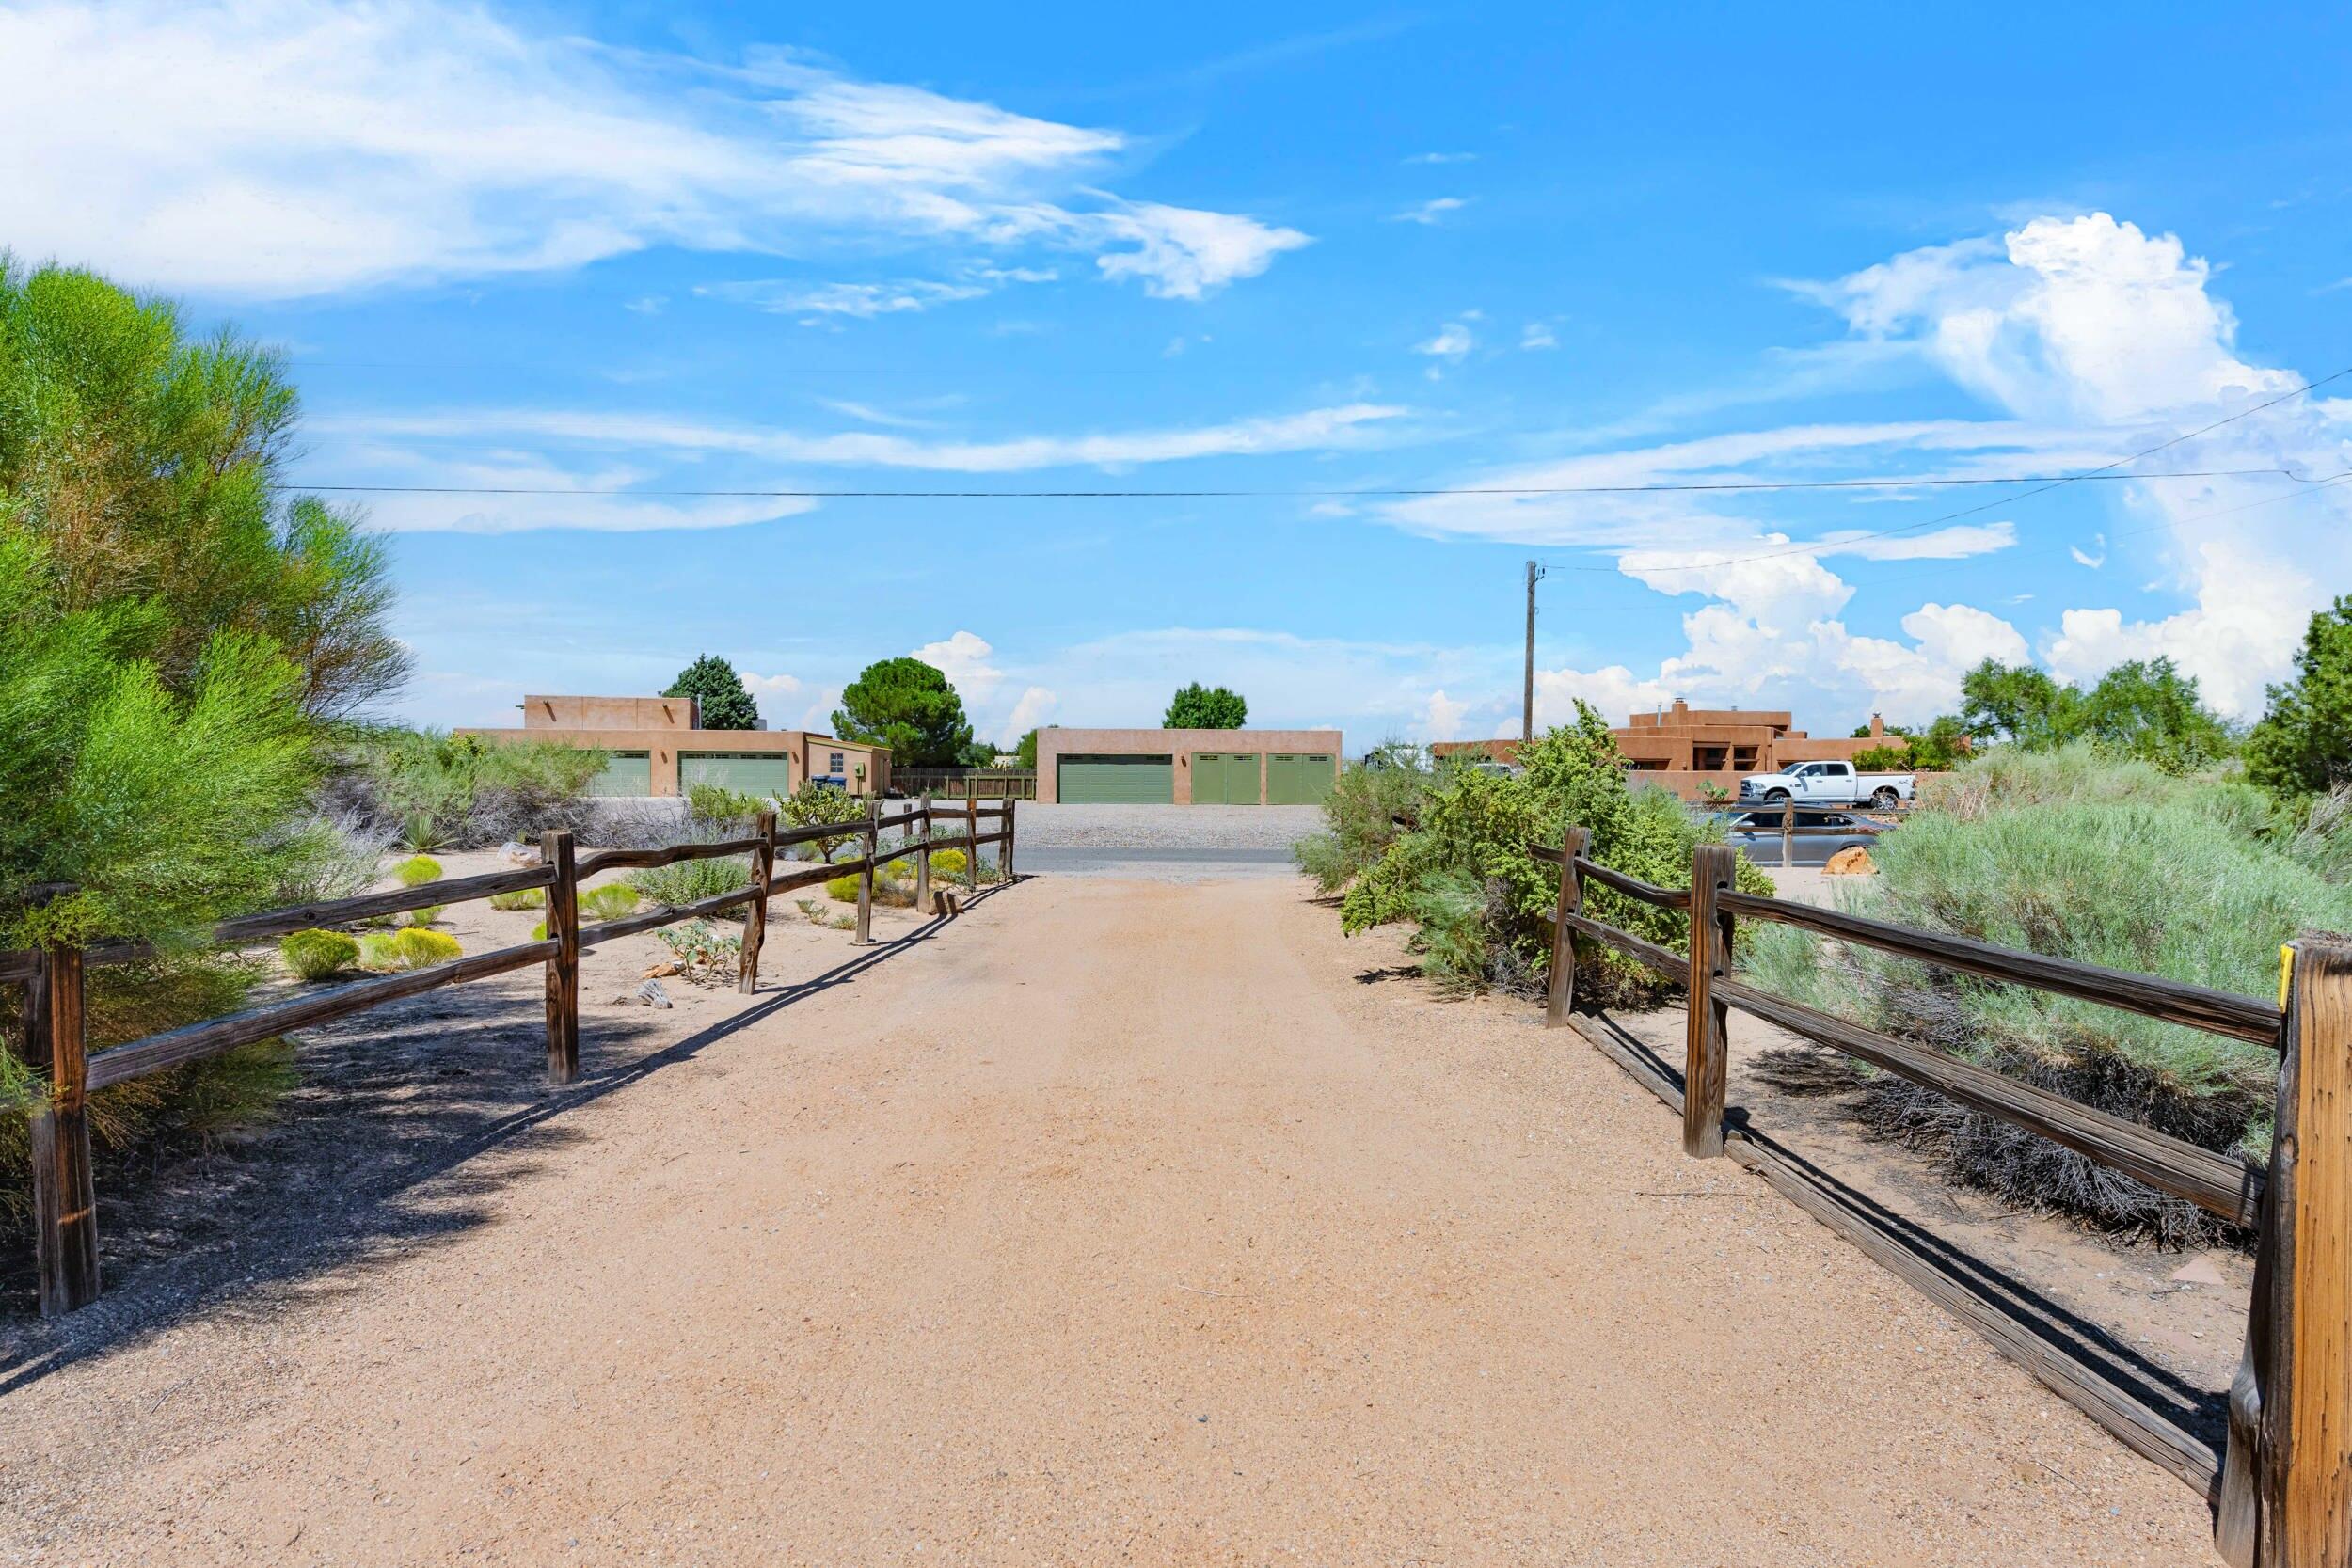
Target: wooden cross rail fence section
65,1204
2281,1489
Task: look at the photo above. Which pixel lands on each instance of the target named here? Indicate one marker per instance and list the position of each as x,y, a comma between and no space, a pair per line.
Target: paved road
1114,1221
1157,865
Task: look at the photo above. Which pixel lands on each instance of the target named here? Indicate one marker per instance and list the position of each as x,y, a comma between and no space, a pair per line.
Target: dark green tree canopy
718,692
2144,709
1028,750
1206,707
2304,743
909,706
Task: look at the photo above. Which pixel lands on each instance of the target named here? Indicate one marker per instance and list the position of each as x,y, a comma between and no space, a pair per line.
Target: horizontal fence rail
64,1197
2282,1488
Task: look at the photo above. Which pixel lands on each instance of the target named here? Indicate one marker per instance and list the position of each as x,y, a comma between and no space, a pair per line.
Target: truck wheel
1776,796
1887,799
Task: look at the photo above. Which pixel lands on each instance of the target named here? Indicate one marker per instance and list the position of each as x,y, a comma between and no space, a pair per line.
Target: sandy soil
1127,1222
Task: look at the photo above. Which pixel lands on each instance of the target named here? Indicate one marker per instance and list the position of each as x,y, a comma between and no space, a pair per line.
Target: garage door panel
1133,781
623,773
1224,779
1295,779
745,773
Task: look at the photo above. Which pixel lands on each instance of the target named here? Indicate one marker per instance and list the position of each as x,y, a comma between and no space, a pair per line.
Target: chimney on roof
1878,726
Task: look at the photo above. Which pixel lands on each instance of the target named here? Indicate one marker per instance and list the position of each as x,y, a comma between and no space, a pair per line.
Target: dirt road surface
1119,1222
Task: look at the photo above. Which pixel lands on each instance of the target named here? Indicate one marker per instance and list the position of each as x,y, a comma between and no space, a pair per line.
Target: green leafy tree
2304,742
1206,707
909,706
2016,702
1026,751
150,468
718,692
2150,711
815,805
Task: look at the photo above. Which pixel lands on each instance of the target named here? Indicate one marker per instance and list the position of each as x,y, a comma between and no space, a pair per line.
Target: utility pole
1527,711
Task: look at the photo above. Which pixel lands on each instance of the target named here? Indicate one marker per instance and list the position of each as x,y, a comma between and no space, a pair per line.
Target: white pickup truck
1826,783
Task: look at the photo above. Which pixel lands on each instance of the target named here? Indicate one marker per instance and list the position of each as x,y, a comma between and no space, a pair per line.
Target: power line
2049,481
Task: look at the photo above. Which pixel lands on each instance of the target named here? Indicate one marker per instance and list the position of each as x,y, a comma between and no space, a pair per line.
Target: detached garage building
657,746
1186,767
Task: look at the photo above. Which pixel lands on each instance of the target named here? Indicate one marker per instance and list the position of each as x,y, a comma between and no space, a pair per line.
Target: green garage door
745,773
1297,780
1116,780
1224,779
625,773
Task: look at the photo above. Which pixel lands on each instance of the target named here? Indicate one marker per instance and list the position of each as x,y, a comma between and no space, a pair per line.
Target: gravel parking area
1165,827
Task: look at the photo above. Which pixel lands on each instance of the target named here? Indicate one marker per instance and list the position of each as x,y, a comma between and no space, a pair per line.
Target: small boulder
1852,860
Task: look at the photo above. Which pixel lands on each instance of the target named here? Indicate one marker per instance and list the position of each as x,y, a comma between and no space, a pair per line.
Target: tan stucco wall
809,752
1054,744
611,713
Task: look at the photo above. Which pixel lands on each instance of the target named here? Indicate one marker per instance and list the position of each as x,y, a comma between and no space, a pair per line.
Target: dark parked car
1756,833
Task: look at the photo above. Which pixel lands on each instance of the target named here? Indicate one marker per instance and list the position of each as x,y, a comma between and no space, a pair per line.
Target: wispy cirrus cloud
306,148
1428,213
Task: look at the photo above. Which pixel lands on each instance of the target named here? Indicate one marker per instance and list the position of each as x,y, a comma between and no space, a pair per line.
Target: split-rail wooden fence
65,1203
2281,1490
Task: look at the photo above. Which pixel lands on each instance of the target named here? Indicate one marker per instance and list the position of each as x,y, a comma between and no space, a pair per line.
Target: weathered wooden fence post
1008,856
555,849
1706,1054
756,913
923,856
1562,992
871,839
2286,1478
65,1201
1788,832
971,842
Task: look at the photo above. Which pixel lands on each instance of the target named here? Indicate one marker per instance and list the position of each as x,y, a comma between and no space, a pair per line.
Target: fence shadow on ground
368,1163
2132,1374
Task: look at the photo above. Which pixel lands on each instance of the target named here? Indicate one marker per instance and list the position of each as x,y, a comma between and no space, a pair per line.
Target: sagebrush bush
525,898
2086,857
610,901
1361,812
704,955
687,881
319,955
722,806
417,870
433,790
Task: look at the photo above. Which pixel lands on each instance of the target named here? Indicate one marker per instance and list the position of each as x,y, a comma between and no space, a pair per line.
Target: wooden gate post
871,839
1562,992
2286,1478
971,840
1009,810
555,849
1788,832
65,1201
756,913
1704,1058
923,857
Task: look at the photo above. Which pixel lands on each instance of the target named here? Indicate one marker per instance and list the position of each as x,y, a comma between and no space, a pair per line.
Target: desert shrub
424,916
704,955
539,931
522,898
687,881
2080,856
327,855
433,790
412,948
1360,815
812,805
1479,902
609,902
843,890
417,870
716,803
949,863
319,955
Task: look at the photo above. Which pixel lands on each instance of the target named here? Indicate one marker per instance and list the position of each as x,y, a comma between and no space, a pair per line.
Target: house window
835,765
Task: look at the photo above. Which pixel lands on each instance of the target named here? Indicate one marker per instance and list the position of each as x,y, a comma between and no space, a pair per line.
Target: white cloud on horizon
304,148
1428,213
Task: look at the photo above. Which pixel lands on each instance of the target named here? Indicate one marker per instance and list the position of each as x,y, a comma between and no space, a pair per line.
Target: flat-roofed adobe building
1186,767
657,746
1682,748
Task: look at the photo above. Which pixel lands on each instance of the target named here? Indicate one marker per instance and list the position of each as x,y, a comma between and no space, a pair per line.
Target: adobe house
657,746
1682,748
1183,768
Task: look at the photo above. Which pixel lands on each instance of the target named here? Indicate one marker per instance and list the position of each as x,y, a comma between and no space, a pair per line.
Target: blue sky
614,253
